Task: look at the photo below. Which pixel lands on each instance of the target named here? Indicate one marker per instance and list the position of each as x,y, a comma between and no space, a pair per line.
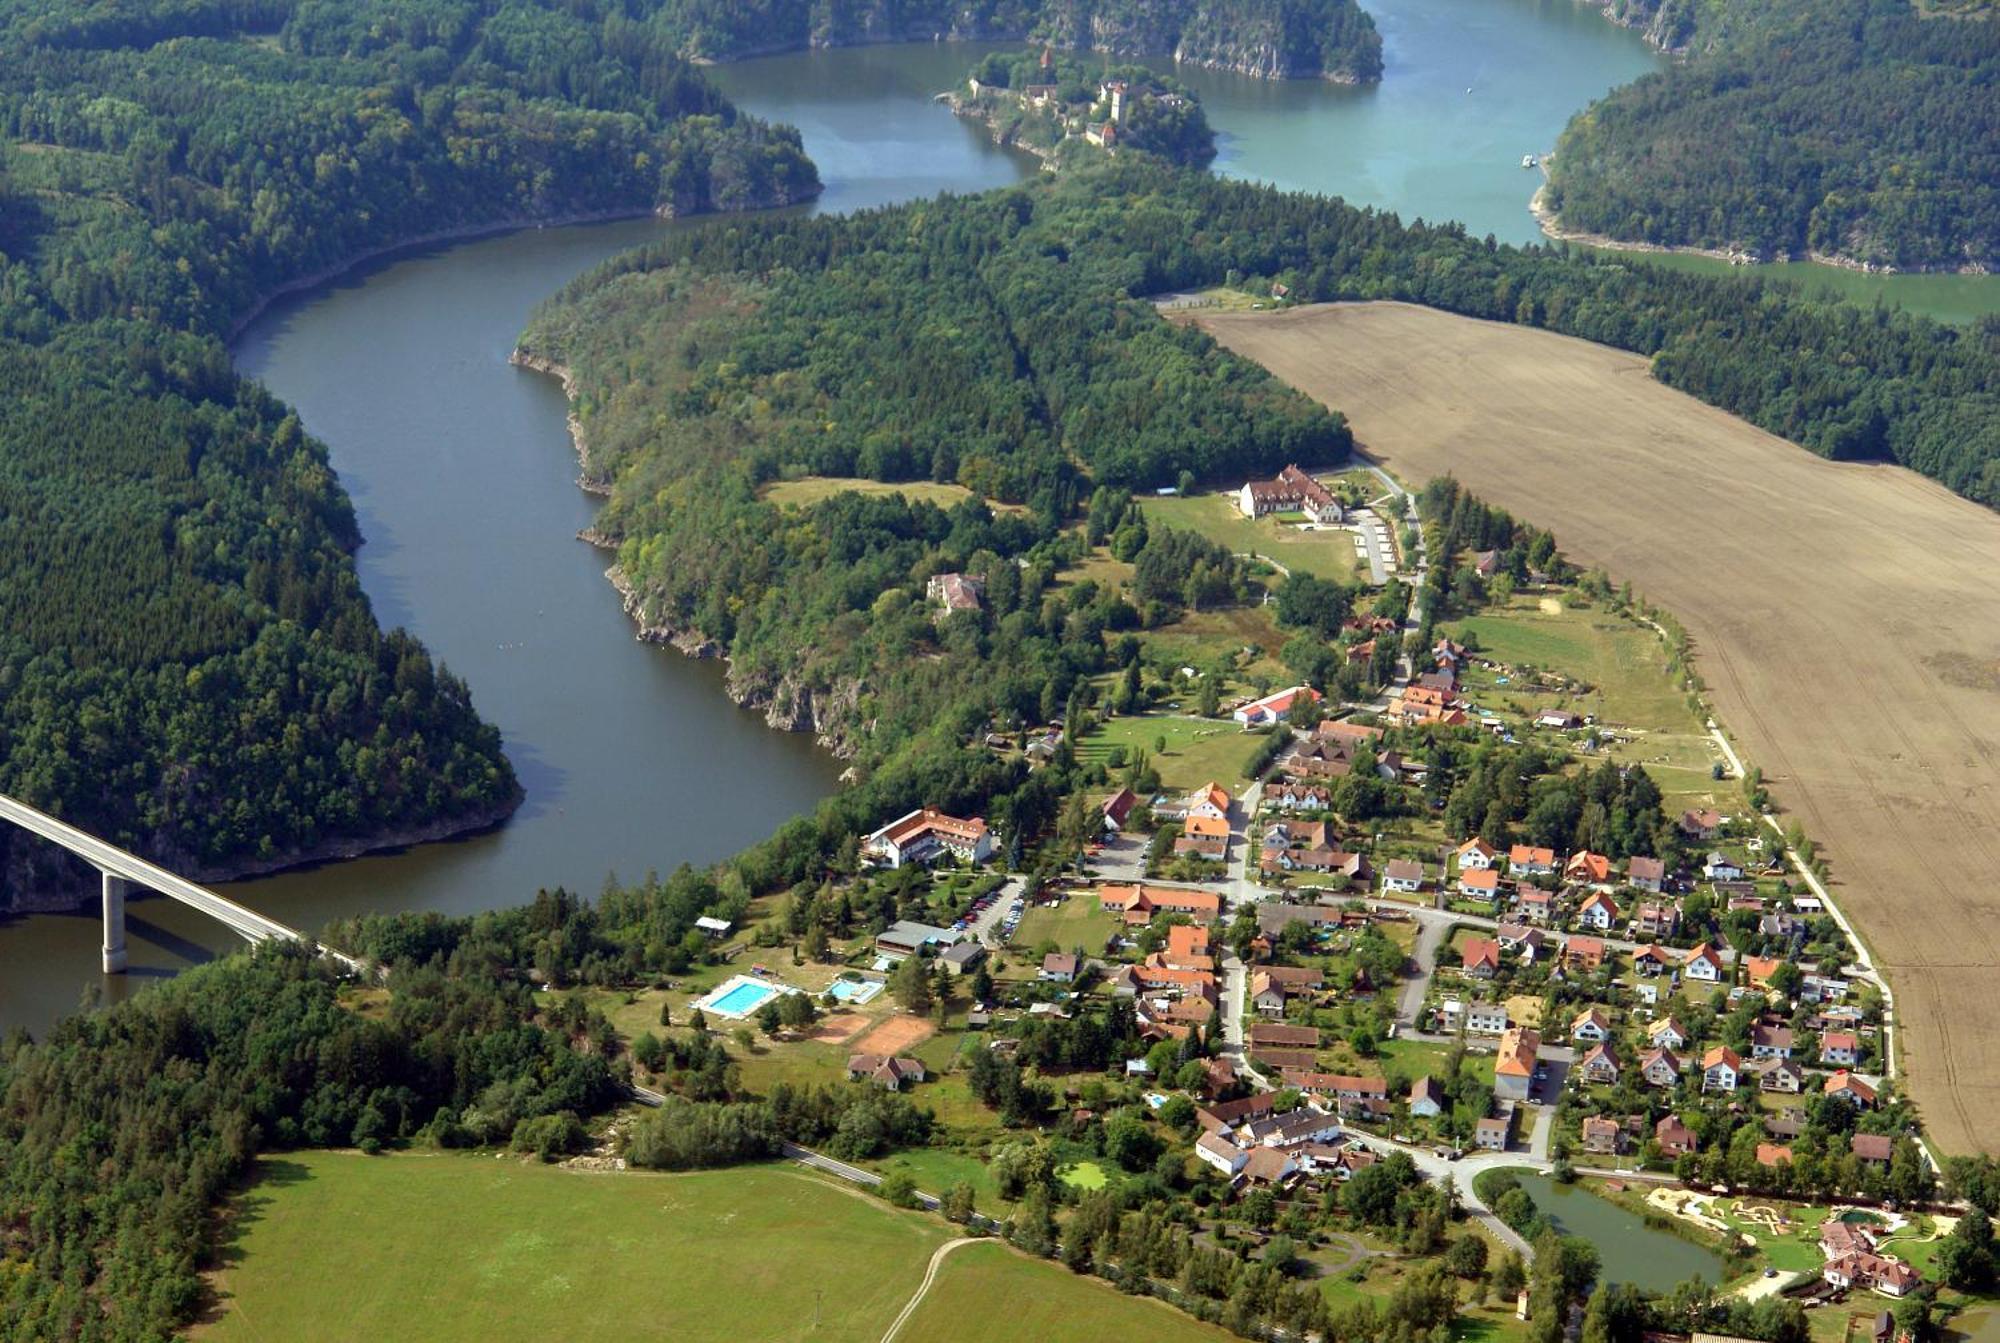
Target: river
461,471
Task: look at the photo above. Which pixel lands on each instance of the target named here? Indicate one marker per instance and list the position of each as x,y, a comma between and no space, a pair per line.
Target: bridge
123,871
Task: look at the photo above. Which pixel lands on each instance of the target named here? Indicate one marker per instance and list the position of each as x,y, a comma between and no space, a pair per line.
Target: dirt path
930,1276
1843,616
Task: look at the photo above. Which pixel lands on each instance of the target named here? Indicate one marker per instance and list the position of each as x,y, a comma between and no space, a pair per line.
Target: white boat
1527,160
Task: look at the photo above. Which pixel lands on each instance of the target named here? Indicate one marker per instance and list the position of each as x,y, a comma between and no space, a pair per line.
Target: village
1252,990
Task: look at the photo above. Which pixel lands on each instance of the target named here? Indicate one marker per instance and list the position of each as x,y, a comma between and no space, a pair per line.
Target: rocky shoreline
1261,62
787,704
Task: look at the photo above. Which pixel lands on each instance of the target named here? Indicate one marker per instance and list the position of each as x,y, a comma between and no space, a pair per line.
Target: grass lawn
1085,1175
1205,638
1329,554
1079,920
989,1294
1198,750
814,489
441,1247
936,1169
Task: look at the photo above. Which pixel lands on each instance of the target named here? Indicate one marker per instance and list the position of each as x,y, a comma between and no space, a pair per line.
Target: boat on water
1527,160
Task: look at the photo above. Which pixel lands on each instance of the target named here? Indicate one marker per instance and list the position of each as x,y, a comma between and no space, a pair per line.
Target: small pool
739,996
855,991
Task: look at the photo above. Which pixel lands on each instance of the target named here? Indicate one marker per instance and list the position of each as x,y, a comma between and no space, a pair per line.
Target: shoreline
786,705
1552,229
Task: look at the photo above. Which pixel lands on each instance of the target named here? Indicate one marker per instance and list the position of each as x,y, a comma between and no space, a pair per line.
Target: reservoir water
1628,1250
462,473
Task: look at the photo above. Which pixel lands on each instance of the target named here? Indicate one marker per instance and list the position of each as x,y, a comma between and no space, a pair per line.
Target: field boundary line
923,1288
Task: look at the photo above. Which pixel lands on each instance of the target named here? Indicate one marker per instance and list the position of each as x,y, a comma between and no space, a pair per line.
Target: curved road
930,1276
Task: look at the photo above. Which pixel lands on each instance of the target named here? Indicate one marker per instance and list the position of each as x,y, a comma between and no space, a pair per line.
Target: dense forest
1863,130
187,662
1272,39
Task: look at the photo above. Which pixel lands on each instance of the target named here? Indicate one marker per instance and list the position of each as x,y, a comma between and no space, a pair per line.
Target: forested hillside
1272,39
187,663
1851,129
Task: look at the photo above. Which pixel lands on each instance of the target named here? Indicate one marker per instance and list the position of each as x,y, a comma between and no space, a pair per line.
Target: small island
1060,108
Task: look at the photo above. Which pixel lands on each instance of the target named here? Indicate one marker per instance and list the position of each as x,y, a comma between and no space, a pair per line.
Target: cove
1629,1250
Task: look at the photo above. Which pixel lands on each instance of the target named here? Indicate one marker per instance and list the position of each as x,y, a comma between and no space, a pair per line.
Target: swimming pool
740,995
856,991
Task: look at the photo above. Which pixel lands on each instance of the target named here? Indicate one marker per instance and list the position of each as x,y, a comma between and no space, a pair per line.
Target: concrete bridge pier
114,924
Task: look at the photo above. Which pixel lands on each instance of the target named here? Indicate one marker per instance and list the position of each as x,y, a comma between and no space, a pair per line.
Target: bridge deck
107,857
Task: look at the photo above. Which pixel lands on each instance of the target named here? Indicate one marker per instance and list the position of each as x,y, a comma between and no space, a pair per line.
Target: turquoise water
853,990
744,999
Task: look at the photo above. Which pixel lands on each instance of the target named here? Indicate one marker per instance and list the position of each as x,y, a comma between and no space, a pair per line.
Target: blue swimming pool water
744,998
851,990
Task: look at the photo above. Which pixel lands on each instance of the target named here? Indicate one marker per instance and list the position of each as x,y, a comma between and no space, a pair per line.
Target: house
1584,953
1562,720
1301,1125
906,938
1490,1135
1481,883
1779,1075
1514,1064
1652,960
955,592
1267,995
1868,1271
1284,1060
961,958
1666,1033
1526,861
1759,969
1187,948
1291,490
1058,967
1485,1019
1204,835
1591,869
1602,1136
713,929
1598,1066
1535,904
884,1070
1273,708
1138,904
1660,1068
1319,760
1427,1098
1875,1147
1657,918
1702,825
1598,911
1117,808
1486,563
1770,1042
1720,1067
1769,1154
1297,835
1476,855
1211,801
927,834
1703,964
1296,796
1482,957
1851,1089
1221,1153
1646,874
1721,867
1674,1137
1404,875
1840,1049
1271,1033
1268,1165
1591,1026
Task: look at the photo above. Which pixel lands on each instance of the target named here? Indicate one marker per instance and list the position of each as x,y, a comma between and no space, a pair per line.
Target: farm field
1197,751
813,489
753,1252
1864,679
1329,554
1041,1302
335,1245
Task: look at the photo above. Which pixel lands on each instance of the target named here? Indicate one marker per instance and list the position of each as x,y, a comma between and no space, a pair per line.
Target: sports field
334,1245
1862,676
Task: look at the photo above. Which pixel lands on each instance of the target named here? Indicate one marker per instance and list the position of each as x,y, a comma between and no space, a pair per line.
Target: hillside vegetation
1853,129
1272,39
187,662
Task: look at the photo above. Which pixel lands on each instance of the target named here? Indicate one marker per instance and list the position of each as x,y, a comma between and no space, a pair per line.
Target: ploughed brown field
1846,617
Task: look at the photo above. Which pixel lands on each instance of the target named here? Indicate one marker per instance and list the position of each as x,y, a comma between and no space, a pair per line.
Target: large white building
1291,489
924,834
